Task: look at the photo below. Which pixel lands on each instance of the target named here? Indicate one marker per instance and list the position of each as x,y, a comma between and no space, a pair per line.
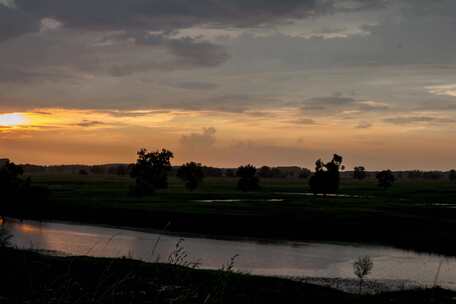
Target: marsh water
295,259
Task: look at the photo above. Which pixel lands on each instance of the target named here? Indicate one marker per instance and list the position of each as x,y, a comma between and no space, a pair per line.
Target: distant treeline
124,169
292,172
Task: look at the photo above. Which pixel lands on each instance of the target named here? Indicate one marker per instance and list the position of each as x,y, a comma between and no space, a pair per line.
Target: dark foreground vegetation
29,277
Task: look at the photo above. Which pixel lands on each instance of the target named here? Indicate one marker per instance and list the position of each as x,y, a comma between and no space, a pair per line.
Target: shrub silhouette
248,180
326,178
359,173
265,172
305,173
385,178
10,179
18,195
192,174
452,176
151,171
5,238
362,267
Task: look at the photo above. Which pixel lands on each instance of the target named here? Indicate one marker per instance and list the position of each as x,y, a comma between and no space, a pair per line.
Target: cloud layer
310,76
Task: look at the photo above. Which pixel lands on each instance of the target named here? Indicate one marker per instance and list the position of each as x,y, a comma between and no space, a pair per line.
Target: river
293,259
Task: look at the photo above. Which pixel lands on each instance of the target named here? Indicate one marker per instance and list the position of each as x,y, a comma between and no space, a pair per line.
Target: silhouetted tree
97,170
10,181
248,180
18,196
151,171
432,175
212,172
452,176
265,172
192,174
5,237
230,173
414,174
385,178
326,178
359,173
83,172
305,173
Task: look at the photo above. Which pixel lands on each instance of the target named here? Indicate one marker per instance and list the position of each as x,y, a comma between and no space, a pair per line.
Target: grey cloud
303,121
134,113
90,123
14,22
330,101
442,104
232,103
204,139
187,53
42,112
46,57
363,125
405,120
338,102
195,85
169,15
405,35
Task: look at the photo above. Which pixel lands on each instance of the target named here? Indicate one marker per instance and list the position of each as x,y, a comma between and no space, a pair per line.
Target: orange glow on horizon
276,137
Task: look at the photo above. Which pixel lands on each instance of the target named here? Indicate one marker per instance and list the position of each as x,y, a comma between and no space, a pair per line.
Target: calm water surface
283,259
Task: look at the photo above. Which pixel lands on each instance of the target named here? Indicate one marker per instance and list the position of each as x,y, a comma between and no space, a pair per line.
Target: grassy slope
29,277
402,216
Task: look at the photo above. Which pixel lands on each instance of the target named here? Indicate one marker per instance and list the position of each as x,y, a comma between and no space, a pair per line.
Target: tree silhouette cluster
385,179
17,193
326,178
359,173
11,182
151,174
151,171
452,176
283,172
248,180
192,174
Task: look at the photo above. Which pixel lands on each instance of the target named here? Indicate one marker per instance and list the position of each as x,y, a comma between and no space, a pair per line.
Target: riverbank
30,277
409,216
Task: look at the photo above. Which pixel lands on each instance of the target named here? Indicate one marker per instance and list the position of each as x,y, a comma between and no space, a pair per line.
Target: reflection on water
285,259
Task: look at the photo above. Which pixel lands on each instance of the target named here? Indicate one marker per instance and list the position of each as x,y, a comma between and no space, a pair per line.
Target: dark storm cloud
15,22
166,15
48,56
187,53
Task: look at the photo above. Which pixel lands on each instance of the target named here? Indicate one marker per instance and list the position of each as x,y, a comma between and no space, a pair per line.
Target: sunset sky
229,82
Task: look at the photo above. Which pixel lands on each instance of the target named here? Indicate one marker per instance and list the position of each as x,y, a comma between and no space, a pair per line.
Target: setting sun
11,120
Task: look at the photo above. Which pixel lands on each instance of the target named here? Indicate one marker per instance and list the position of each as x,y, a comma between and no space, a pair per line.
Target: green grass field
412,214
